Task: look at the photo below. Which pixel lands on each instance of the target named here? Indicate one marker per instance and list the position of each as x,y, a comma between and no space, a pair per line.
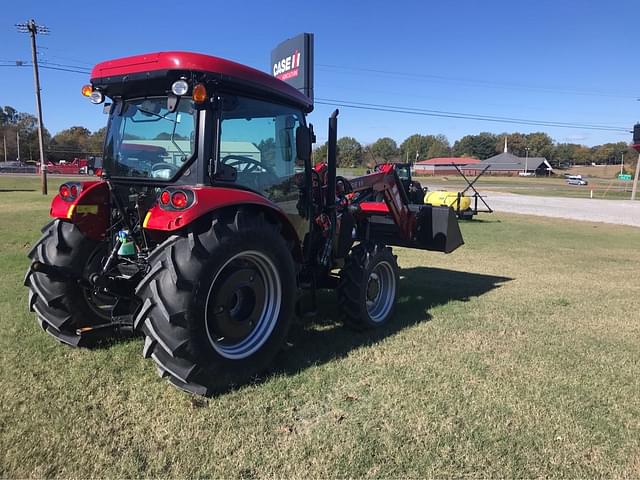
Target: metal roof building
441,165
509,164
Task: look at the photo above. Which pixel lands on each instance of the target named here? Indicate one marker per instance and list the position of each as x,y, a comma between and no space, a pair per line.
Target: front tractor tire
368,286
63,306
217,302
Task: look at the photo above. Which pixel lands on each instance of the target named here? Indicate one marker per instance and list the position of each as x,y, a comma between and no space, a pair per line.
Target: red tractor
210,227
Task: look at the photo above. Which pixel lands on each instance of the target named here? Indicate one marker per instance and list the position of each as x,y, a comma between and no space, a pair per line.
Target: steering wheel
242,164
158,167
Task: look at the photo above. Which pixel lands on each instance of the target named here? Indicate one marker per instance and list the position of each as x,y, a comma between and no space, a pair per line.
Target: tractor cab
179,117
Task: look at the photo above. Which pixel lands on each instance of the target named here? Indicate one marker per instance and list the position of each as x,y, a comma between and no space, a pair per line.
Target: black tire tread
167,293
352,277
58,304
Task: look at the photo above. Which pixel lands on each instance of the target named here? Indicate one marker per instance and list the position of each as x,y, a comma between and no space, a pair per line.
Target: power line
65,70
48,66
65,65
472,82
464,116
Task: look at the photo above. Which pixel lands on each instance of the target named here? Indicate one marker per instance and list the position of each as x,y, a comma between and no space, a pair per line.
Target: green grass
515,356
540,186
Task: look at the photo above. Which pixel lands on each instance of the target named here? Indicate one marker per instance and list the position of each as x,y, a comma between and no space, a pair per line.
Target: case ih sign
292,62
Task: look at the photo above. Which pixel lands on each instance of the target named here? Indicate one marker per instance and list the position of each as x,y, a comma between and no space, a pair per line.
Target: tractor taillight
173,198
179,200
70,191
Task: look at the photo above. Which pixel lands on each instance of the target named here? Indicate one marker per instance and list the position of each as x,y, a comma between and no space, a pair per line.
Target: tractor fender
89,210
211,199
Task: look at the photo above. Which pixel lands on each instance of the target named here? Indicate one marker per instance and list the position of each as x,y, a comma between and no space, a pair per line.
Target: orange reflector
70,211
146,219
199,93
86,90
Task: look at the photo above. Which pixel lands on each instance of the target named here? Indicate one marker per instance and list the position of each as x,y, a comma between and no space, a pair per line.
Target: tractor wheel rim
243,305
380,291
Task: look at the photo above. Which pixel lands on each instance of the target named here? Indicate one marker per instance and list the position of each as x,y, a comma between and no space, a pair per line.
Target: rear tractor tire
62,306
217,302
368,286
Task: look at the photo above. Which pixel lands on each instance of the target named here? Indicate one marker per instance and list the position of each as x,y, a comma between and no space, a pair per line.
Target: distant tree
69,143
96,142
439,147
349,152
24,125
320,153
609,153
482,146
418,147
540,144
385,148
565,153
9,115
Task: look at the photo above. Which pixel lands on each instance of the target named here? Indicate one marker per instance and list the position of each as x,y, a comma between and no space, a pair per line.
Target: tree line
416,147
80,142
20,130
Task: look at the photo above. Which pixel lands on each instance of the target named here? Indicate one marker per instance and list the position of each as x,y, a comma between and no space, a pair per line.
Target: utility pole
33,29
18,143
636,147
622,164
4,142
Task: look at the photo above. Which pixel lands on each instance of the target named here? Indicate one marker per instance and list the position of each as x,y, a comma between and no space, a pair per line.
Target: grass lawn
515,356
610,189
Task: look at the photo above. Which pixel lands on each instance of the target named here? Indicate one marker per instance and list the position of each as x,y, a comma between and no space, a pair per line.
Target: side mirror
303,143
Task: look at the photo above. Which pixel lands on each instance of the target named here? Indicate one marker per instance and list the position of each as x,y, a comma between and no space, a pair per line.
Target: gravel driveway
621,212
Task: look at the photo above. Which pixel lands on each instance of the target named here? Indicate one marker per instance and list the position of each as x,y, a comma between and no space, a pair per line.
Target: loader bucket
437,229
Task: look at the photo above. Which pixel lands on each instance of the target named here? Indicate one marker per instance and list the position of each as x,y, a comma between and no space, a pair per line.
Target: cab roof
228,70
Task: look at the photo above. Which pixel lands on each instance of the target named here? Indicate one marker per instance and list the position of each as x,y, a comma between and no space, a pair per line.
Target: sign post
636,146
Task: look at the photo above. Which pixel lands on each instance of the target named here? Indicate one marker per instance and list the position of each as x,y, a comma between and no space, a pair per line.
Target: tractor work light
180,87
96,97
199,94
86,90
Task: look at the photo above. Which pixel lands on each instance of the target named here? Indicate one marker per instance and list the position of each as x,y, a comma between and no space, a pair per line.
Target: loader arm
386,180
419,226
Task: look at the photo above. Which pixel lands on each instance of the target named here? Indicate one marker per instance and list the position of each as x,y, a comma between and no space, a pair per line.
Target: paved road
621,212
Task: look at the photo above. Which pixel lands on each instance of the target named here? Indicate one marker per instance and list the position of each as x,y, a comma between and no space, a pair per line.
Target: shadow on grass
10,190
421,289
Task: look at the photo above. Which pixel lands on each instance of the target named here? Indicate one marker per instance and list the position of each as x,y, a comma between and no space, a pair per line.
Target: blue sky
562,61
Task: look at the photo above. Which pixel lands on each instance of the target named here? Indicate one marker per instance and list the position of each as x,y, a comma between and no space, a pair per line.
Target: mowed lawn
516,356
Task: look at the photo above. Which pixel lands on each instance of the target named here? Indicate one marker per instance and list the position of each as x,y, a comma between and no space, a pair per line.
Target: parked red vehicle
94,166
76,167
